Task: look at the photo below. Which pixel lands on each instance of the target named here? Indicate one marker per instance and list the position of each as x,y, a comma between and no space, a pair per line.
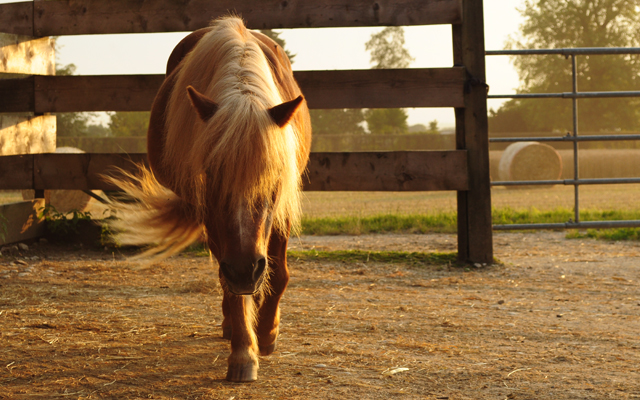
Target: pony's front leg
243,361
269,312
226,322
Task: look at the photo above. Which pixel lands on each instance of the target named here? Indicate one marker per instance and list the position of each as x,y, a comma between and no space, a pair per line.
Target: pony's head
241,214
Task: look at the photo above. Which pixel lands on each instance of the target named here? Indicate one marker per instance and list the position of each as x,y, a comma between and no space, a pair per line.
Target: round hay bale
63,200
530,161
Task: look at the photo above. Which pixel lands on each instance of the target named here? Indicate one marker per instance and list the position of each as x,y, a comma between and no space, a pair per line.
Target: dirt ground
559,319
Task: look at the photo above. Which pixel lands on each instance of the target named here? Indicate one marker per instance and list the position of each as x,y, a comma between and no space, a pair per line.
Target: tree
340,121
417,128
574,23
127,124
386,121
433,127
387,51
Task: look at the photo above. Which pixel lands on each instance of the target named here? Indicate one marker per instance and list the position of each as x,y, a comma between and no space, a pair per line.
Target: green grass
353,256
446,222
387,223
394,257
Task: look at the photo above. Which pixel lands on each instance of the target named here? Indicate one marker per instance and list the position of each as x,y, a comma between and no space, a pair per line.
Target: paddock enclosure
558,320
32,92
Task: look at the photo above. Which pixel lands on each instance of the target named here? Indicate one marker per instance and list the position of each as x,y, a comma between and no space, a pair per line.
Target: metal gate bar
574,95
575,51
570,225
598,181
568,138
567,95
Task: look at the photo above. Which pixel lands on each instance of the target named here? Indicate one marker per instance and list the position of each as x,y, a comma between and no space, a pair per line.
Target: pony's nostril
260,266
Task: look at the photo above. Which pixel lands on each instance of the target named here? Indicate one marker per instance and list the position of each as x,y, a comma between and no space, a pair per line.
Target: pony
228,141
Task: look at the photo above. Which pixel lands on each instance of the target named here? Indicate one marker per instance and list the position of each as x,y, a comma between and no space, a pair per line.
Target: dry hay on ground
559,320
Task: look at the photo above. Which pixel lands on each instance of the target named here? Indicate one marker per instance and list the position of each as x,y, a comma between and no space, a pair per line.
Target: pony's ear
205,107
282,113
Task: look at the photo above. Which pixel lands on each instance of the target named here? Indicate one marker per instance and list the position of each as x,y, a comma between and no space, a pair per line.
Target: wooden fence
462,87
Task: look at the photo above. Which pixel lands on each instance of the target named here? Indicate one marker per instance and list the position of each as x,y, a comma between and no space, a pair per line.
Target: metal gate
574,137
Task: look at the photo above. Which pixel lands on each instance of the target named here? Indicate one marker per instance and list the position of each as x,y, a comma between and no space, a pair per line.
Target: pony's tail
149,214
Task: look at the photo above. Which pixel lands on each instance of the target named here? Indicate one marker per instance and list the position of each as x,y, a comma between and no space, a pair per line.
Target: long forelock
239,156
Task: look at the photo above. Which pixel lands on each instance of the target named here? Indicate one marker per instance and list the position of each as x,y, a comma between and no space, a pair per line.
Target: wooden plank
387,171
320,143
95,93
17,18
80,17
379,88
475,205
26,134
80,171
436,87
16,172
26,55
22,222
380,171
17,95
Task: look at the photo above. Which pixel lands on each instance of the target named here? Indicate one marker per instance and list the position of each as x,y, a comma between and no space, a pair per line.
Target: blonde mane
239,156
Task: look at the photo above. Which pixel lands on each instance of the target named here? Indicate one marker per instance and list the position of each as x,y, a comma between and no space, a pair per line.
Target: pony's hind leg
269,312
243,361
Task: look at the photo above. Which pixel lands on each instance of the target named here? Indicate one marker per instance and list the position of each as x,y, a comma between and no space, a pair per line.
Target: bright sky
315,49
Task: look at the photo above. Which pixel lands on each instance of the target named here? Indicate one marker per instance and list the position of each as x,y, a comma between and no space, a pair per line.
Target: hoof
226,332
242,373
267,350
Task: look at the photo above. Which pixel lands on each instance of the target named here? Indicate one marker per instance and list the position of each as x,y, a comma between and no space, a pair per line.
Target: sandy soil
559,319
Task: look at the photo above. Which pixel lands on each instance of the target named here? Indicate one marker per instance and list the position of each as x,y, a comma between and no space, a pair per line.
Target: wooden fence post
25,133
475,241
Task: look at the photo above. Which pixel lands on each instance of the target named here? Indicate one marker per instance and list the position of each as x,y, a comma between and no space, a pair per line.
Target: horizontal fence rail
365,171
568,138
571,225
595,181
425,87
84,17
567,95
567,51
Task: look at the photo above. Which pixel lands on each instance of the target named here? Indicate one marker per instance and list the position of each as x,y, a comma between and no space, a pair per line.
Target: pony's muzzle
244,279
